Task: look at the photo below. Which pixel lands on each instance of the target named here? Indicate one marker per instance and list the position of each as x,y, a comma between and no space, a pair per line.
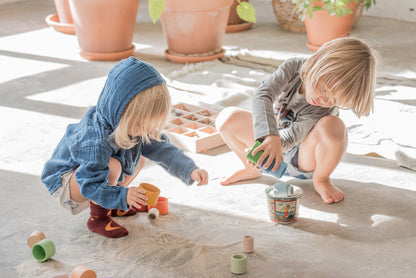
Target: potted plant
326,20
61,21
195,29
105,28
236,21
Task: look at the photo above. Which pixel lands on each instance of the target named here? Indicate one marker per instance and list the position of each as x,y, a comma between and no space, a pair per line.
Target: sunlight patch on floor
25,67
81,94
317,214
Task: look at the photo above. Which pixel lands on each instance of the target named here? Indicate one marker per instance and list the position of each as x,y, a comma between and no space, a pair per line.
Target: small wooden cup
161,205
83,272
64,275
238,264
43,250
152,192
248,244
34,238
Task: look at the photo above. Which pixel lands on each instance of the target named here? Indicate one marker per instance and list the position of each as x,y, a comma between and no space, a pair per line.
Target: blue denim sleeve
170,158
92,177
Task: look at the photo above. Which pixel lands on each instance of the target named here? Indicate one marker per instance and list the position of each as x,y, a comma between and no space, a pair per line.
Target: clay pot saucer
312,46
232,28
108,56
183,59
53,21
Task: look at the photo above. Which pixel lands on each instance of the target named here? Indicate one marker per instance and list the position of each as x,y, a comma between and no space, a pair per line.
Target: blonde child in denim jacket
99,157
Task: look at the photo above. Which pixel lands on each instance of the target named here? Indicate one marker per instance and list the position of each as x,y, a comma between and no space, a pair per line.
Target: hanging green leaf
246,12
156,9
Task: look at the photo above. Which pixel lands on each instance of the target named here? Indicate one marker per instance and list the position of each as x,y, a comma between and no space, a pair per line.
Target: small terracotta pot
194,29
235,23
66,28
105,28
233,17
322,27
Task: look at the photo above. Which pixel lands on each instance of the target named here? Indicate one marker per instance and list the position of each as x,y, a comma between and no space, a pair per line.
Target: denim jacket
86,147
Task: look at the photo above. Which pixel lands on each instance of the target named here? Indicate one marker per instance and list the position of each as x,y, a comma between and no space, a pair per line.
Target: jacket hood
125,80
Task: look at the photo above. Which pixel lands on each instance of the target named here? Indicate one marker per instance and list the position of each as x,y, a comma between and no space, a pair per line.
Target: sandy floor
45,85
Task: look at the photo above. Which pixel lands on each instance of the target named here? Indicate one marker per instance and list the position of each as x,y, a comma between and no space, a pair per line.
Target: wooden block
192,128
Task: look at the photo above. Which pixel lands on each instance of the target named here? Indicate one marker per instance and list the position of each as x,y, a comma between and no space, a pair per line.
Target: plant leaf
246,12
156,9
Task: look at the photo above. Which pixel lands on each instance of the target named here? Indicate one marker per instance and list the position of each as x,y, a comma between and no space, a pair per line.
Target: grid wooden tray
192,128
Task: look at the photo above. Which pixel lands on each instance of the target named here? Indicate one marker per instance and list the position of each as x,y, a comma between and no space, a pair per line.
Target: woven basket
285,12
287,16
358,13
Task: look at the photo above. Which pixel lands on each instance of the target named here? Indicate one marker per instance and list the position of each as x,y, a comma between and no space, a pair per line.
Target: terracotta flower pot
105,28
62,21
235,23
323,27
64,11
195,29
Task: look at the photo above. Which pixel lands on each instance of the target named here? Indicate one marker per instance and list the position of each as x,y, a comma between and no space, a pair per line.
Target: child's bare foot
329,193
243,174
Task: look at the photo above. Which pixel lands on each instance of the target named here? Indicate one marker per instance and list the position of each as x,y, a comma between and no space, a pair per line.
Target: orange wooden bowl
161,205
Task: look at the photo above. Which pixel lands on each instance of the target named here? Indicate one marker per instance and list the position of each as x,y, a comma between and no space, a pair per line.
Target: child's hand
246,151
136,197
200,176
272,147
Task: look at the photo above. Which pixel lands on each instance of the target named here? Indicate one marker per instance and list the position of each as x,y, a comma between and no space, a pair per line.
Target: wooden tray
192,128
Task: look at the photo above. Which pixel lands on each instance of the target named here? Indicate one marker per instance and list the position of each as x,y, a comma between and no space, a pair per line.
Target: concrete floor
45,84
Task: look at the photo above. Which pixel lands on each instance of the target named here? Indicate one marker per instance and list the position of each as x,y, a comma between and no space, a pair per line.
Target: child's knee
226,118
332,128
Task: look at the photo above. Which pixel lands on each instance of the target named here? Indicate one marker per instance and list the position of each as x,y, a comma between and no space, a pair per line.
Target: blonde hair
344,70
148,110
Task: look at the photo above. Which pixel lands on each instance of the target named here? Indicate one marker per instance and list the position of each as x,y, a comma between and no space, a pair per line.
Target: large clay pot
323,27
64,11
62,21
235,23
105,28
195,29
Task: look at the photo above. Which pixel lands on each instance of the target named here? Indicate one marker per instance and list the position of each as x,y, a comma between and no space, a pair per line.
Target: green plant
244,10
334,7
